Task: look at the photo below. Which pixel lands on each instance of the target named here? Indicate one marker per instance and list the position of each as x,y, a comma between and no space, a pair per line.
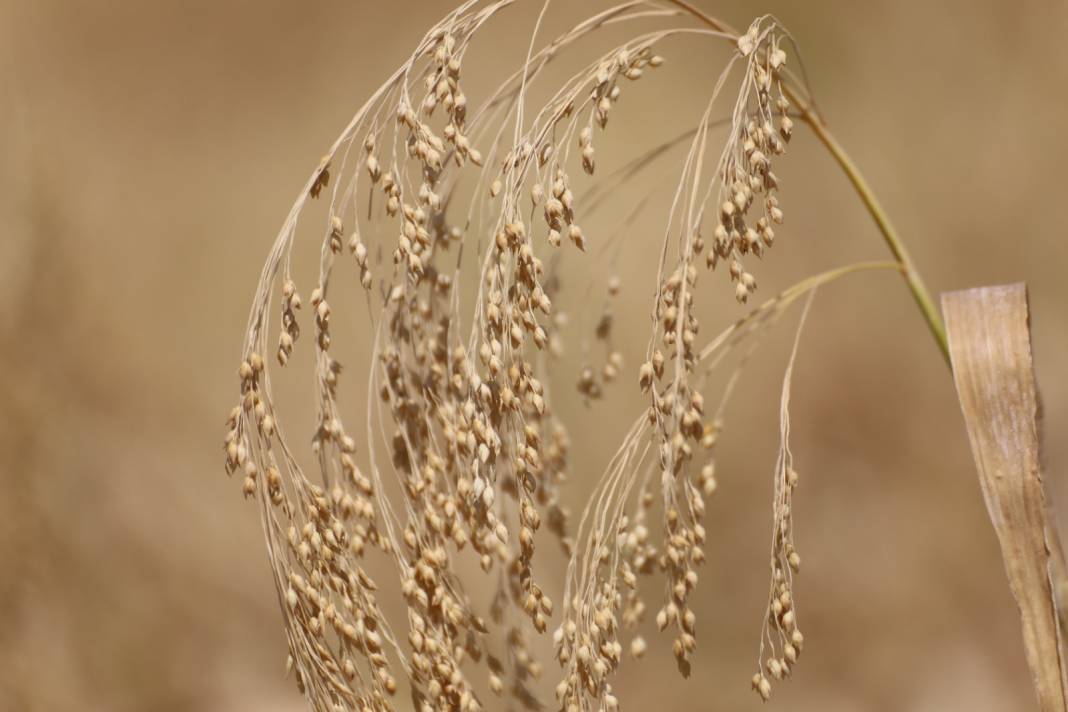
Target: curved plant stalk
897,247
815,121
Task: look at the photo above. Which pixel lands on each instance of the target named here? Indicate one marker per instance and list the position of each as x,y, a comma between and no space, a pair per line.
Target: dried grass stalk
990,348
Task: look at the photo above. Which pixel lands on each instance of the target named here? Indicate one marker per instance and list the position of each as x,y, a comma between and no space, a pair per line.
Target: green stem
882,220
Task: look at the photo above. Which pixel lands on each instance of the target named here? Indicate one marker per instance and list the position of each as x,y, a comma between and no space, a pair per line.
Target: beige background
150,150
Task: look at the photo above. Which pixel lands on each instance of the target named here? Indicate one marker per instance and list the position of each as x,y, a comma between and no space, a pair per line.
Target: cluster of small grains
459,422
594,380
747,175
290,330
587,643
781,639
677,415
327,596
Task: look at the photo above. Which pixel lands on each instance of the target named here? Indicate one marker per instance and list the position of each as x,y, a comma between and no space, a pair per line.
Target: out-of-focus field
150,150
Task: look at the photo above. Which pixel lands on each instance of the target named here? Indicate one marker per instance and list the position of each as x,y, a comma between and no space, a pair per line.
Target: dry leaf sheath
990,344
459,454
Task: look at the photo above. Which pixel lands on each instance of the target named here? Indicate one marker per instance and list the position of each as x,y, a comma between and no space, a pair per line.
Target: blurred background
149,151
